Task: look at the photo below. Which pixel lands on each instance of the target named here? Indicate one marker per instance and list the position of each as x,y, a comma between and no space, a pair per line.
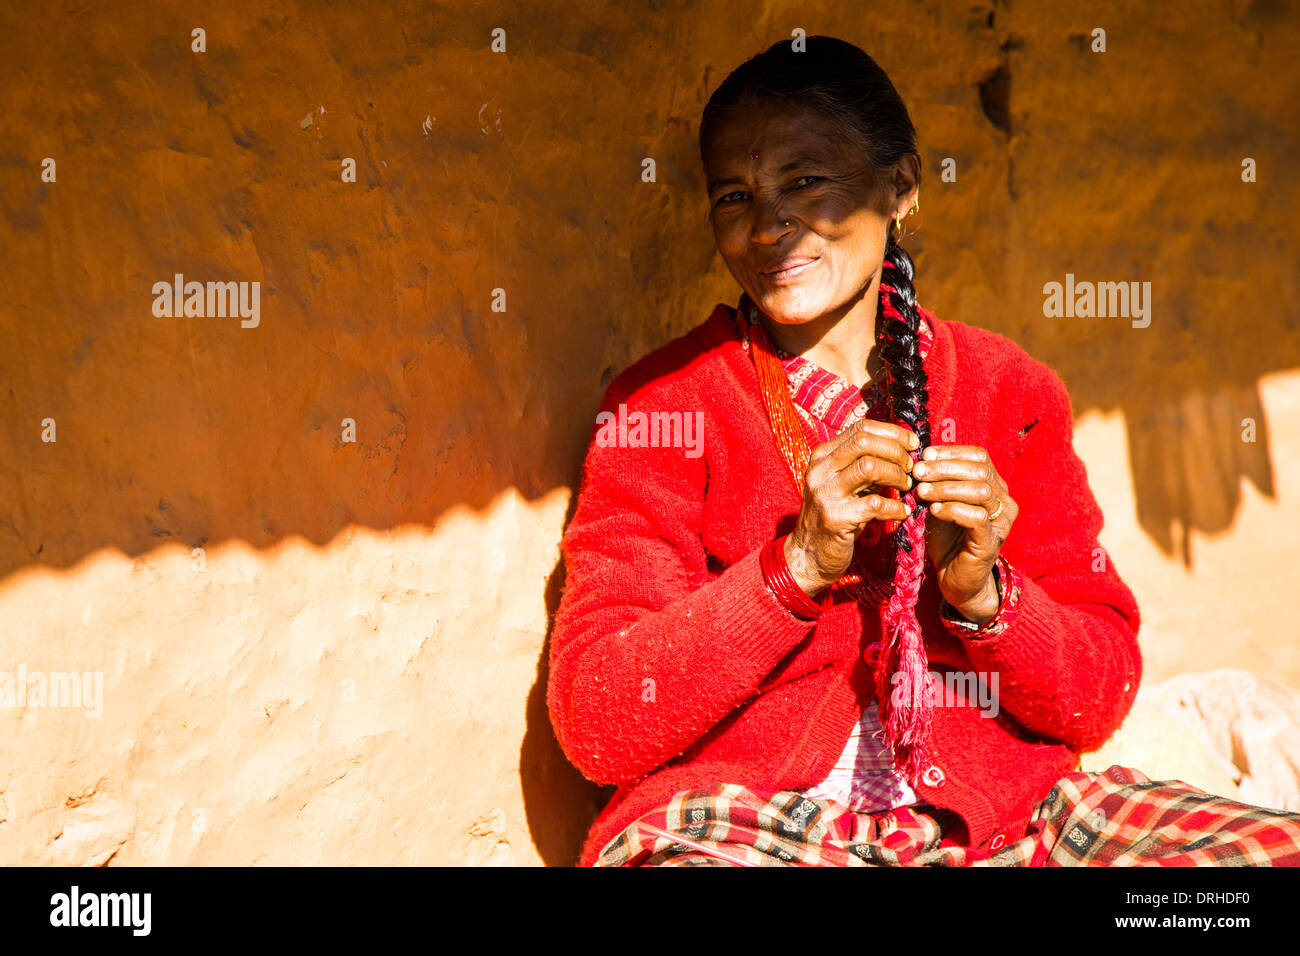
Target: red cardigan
673,666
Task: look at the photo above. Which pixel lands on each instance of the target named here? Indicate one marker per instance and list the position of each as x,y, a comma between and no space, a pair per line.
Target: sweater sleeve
649,650
1069,666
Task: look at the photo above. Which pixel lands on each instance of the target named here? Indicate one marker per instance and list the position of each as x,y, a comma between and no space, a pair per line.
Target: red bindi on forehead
753,154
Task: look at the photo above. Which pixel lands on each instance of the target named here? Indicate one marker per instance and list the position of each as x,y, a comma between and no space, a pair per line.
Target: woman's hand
838,500
963,488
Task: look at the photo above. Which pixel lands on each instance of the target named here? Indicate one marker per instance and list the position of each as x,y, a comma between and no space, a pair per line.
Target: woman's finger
961,469
869,437
943,452
879,508
867,472
981,493
972,517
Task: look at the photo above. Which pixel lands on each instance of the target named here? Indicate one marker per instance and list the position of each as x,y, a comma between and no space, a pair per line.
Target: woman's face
815,181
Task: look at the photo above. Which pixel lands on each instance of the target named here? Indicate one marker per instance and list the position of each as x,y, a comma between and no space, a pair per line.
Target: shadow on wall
420,301
1188,458
559,802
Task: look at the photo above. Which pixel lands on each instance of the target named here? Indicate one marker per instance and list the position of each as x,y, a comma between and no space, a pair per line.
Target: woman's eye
800,183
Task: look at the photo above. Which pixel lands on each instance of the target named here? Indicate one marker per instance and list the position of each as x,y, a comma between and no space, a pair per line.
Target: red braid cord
903,682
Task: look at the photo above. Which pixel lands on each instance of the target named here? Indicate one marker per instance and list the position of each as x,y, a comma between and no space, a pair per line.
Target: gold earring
898,221
916,204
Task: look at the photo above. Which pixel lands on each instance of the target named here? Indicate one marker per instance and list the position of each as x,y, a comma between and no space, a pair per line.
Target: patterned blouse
862,777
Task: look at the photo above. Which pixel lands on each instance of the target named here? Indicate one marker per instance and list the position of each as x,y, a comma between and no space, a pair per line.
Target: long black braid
899,343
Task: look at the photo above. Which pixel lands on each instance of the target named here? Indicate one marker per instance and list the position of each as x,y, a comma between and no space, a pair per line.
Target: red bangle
776,572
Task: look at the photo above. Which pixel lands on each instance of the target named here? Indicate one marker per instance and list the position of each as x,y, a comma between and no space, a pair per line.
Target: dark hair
842,83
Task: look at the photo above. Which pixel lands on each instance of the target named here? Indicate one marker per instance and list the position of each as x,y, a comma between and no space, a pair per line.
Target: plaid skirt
1116,818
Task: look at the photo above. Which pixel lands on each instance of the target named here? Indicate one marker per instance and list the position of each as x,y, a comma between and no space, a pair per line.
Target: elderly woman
865,619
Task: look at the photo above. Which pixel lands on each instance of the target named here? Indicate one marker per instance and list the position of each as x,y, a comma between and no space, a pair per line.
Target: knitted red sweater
673,666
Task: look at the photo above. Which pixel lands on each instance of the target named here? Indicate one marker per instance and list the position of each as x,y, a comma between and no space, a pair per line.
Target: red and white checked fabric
862,777
1116,818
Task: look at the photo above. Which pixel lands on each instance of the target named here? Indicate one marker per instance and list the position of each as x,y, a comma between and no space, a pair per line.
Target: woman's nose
769,223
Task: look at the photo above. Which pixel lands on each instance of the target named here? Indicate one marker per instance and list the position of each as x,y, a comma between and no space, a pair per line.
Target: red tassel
903,683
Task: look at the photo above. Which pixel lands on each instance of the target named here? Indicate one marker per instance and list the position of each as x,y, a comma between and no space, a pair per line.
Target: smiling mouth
790,272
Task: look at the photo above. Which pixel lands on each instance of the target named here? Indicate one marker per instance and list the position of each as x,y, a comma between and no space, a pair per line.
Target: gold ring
993,514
